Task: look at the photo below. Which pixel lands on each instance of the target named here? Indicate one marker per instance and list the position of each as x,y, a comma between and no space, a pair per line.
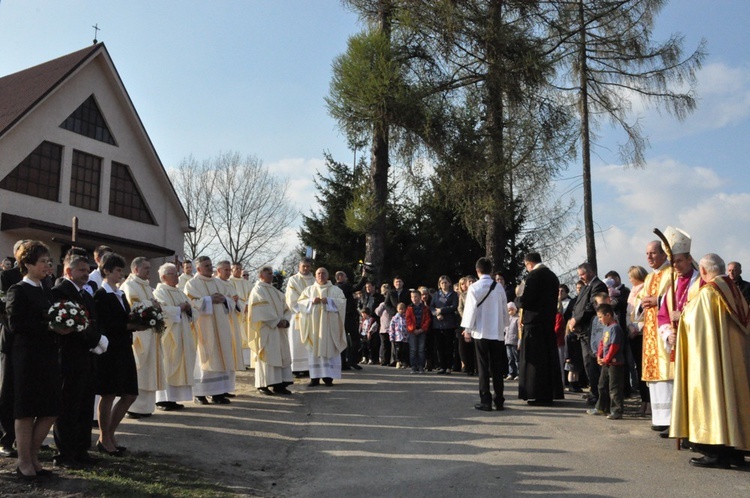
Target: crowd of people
679,338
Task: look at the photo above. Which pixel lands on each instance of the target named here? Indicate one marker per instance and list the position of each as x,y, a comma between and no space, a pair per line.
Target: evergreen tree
337,246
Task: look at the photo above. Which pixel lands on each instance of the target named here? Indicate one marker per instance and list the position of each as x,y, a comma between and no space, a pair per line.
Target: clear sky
251,76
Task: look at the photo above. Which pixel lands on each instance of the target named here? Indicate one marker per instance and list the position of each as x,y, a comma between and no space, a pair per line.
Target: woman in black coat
36,368
116,371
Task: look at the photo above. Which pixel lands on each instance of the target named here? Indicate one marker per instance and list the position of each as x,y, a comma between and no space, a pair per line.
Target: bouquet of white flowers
147,317
67,315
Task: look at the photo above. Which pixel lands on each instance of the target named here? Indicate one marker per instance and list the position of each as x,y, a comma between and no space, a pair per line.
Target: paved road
384,432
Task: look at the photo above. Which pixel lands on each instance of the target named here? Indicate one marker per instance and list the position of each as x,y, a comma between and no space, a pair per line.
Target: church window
85,181
88,121
38,174
125,199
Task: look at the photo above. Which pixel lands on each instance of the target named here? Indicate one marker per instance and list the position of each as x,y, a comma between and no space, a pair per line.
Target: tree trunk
588,210
496,235
375,237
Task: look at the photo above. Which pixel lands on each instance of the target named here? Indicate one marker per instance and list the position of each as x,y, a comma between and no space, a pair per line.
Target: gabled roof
21,91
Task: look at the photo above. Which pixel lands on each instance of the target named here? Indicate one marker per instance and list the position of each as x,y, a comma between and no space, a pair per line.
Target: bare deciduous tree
241,210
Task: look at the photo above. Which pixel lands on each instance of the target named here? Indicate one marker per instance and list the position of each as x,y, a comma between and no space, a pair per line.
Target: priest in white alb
216,362
268,321
177,341
323,308
146,343
187,274
237,317
242,289
294,287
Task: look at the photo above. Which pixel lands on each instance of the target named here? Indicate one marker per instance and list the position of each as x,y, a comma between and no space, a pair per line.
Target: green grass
142,474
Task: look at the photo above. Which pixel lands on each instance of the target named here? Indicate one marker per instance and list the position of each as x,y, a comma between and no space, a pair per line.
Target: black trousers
7,420
589,363
385,349
468,353
445,339
492,363
72,429
611,388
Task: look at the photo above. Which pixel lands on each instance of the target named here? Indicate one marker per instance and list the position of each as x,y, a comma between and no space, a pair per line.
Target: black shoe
710,462
328,381
281,390
8,452
220,400
483,407
500,407
313,382
24,477
659,428
356,367
440,371
102,449
136,416
200,400
229,395
265,390
168,406
665,433
685,444
540,402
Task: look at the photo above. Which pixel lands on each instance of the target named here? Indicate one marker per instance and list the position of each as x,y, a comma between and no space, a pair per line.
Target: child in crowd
398,334
418,319
597,329
369,330
611,357
511,342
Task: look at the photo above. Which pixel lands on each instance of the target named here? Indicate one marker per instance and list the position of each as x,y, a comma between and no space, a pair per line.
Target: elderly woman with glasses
36,370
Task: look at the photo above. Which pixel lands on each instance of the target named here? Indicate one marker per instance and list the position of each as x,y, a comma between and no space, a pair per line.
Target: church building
72,145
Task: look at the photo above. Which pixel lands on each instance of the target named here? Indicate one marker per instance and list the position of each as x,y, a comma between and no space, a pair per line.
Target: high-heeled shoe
102,449
24,477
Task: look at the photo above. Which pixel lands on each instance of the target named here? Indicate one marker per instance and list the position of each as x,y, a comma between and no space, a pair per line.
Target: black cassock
539,363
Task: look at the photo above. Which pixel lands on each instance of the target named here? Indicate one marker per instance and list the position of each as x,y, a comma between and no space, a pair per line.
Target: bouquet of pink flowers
147,317
67,315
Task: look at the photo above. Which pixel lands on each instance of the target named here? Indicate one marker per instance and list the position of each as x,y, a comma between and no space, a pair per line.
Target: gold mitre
679,240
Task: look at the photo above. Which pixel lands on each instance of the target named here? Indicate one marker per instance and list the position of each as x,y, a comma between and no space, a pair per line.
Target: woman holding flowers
36,370
116,371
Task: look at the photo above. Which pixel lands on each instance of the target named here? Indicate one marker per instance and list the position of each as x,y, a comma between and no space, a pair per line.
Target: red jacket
411,320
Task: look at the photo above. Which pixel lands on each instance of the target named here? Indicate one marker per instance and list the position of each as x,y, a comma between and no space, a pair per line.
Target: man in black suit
73,426
583,315
540,380
7,421
734,270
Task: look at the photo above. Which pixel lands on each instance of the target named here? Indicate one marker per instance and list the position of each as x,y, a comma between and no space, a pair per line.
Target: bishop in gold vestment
711,404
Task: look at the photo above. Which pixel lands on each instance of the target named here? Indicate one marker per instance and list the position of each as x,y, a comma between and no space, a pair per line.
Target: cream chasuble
711,403
178,341
323,325
294,287
183,280
213,331
243,288
146,343
267,309
237,322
